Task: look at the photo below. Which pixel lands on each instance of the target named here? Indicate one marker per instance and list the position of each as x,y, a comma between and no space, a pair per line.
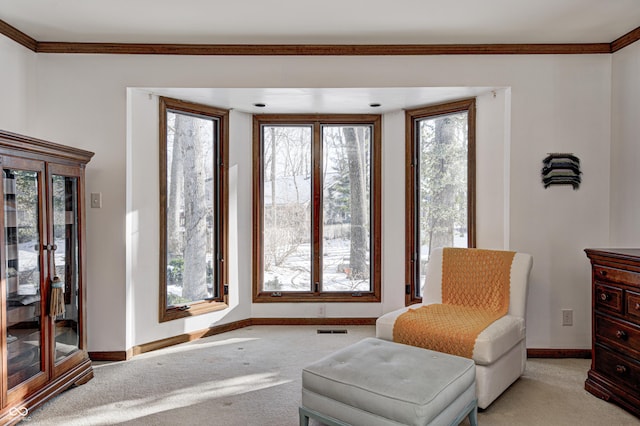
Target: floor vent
332,331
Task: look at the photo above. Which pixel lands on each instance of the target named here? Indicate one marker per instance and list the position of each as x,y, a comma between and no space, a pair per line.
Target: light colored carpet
252,376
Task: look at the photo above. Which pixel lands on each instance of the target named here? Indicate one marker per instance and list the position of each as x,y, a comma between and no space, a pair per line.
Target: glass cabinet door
64,199
22,274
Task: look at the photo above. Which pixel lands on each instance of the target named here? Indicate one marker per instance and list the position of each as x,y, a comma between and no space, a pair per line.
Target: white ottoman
376,382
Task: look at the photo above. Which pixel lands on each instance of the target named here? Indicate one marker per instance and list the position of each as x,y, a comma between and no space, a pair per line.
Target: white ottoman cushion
402,383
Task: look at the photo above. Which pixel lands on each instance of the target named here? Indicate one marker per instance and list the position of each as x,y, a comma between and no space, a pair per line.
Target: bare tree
195,210
175,197
441,222
286,220
359,233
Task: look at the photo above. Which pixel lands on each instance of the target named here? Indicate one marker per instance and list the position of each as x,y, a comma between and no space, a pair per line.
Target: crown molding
317,49
321,49
624,41
18,36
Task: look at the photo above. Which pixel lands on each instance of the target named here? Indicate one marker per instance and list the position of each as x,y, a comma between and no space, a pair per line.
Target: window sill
290,297
198,308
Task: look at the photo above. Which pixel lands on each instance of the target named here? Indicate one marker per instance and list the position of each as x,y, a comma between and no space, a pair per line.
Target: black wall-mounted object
561,169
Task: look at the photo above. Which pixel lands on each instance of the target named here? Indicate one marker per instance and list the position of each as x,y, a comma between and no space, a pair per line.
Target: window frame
412,171
316,122
221,209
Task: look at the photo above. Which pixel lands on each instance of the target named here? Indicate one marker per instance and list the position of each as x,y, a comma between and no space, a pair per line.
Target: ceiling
322,22
320,100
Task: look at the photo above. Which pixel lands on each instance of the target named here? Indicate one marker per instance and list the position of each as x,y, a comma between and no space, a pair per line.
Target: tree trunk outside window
195,239
175,196
443,218
359,234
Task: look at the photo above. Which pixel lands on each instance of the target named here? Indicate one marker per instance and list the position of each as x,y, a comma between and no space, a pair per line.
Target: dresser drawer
608,297
625,337
616,275
618,368
633,305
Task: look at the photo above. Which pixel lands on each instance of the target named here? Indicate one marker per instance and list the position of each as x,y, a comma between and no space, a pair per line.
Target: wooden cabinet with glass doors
41,261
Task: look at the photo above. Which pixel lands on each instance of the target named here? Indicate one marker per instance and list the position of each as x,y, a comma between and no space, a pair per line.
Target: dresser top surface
620,253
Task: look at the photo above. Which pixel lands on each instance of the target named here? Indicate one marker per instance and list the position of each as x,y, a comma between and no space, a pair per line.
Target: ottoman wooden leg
305,413
304,418
470,411
473,416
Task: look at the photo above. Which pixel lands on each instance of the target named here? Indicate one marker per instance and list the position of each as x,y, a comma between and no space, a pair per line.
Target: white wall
570,112
393,199
17,85
143,230
625,148
557,103
493,139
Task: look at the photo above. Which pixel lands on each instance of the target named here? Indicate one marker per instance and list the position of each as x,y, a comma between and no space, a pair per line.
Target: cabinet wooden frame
315,121
45,159
412,262
221,170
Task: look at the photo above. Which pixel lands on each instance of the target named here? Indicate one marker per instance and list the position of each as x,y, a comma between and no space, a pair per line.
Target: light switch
96,200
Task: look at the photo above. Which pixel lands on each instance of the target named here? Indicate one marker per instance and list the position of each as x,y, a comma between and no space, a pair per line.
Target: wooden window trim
220,303
316,121
468,105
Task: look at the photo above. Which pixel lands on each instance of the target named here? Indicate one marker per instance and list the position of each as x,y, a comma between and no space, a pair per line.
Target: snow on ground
294,273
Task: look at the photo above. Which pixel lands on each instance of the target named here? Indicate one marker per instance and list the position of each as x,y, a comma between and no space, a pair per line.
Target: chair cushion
491,344
402,383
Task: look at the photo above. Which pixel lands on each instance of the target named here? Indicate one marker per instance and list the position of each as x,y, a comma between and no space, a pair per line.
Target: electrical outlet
322,311
567,317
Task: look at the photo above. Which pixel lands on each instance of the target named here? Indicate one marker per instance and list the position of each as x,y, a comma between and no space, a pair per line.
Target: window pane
442,185
346,208
287,187
22,265
65,230
191,197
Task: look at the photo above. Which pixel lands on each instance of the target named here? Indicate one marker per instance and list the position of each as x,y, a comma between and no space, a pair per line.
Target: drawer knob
621,334
637,306
604,296
621,369
603,273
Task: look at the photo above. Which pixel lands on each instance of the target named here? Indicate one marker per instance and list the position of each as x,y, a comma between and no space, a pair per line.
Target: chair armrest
384,324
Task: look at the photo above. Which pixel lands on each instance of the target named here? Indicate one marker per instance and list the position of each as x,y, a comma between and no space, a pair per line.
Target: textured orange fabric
476,278
475,293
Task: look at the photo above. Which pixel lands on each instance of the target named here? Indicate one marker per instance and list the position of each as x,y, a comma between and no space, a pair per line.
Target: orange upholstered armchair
471,285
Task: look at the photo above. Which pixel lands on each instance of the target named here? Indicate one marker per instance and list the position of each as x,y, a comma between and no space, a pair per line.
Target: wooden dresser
615,363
